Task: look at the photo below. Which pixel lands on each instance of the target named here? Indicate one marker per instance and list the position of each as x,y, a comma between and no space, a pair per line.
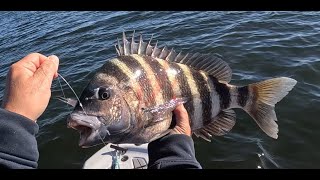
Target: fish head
102,115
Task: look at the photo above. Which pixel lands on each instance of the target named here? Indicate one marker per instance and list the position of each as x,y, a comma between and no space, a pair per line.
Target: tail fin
262,99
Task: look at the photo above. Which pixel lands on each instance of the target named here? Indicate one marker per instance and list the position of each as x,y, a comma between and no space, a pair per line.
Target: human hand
182,121
28,85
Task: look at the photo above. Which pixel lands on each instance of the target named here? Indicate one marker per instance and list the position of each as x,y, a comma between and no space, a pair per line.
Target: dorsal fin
212,64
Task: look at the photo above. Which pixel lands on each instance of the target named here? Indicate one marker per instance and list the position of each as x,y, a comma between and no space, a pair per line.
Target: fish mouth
89,128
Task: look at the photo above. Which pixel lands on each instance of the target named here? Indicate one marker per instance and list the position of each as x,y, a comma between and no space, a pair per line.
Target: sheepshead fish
130,99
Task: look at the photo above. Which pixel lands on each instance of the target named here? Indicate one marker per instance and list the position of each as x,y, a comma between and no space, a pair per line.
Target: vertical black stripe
204,91
113,70
162,78
143,79
185,90
243,95
223,92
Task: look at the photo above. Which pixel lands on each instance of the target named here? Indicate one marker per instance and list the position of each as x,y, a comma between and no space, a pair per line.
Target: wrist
15,110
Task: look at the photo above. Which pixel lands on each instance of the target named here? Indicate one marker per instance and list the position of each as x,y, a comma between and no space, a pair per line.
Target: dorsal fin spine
140,43
124,40
132,42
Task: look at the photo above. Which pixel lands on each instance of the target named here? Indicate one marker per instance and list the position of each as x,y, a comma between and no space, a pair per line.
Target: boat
122,156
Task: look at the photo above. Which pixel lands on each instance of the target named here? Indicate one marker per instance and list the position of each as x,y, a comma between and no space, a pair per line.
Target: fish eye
104,93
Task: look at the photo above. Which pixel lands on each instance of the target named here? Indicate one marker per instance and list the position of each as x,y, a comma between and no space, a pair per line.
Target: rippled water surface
257,46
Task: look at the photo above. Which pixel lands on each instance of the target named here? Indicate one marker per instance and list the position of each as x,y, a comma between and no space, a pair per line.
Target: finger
56,60
55,75
47,70
32,61
182,116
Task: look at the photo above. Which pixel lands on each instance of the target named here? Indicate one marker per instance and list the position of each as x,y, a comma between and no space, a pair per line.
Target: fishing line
61,87
62,90
73,93
102,139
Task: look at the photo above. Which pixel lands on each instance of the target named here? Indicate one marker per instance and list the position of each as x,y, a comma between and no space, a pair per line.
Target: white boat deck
128,156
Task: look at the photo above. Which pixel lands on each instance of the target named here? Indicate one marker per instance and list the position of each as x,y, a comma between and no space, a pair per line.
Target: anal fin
219,126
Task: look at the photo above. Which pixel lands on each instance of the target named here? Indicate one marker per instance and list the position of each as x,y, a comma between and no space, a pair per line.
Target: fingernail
54,58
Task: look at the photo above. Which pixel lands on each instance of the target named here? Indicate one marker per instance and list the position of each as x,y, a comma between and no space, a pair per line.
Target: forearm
18,145
173,151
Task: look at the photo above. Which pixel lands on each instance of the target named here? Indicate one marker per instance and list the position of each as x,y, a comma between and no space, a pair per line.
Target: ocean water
257,46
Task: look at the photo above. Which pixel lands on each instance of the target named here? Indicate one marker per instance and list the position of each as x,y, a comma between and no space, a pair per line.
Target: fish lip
80,119
87,125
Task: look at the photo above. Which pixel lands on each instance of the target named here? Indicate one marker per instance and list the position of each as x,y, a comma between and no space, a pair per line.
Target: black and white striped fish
130,99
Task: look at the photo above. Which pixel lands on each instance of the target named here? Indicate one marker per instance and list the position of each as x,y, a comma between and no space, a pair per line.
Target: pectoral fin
160,112
168,106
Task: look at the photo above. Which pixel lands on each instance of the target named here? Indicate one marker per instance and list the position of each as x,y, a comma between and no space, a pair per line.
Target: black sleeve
172,152
18,145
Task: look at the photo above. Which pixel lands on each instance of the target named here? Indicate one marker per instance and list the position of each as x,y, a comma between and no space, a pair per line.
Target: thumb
182,121
182,117
47,70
